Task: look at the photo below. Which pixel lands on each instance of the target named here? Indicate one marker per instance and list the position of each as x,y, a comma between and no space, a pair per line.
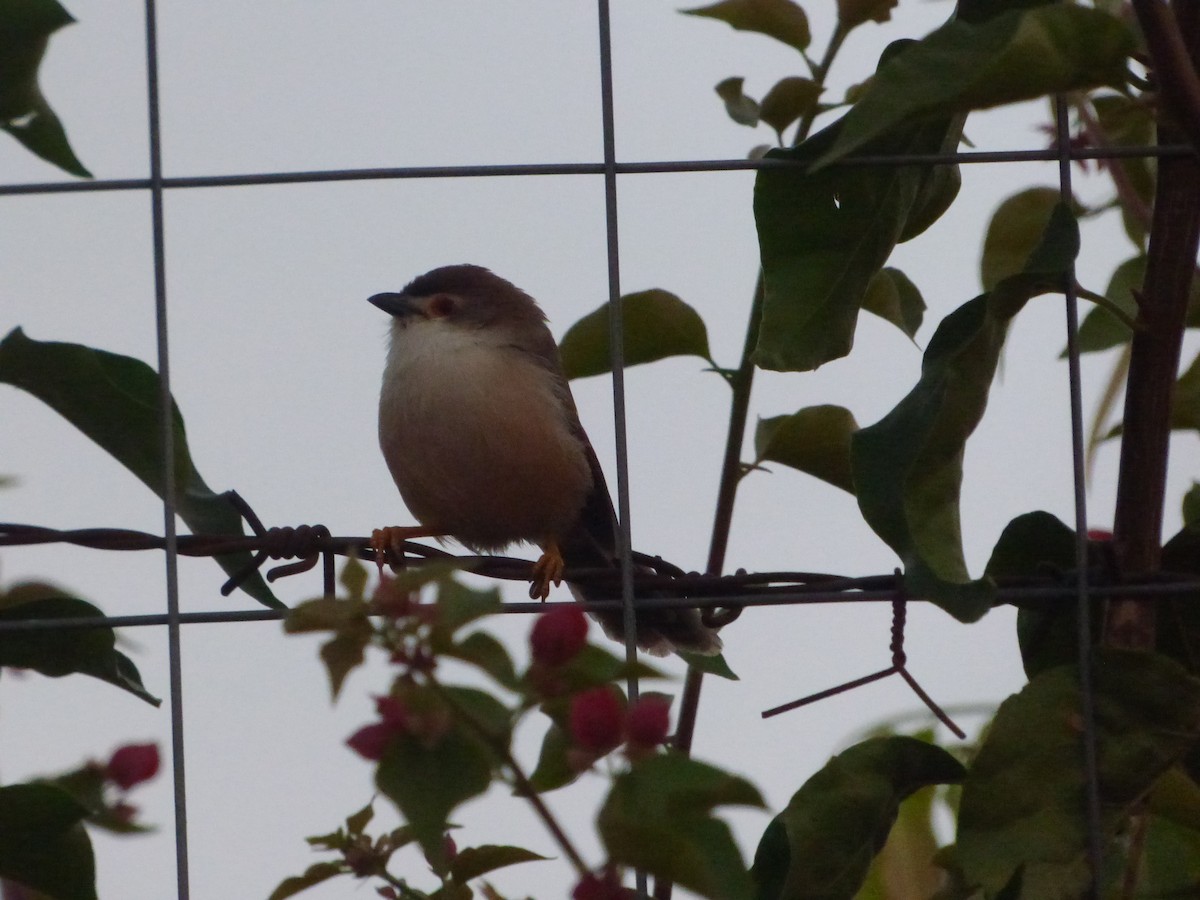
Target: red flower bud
393,712
132,764
606,886
558,635
1099,534
648,721
596,717
372,740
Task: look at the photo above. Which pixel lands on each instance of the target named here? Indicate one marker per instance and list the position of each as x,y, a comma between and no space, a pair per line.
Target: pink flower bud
558,635
605,886
372,740
596,718
132,764
648,722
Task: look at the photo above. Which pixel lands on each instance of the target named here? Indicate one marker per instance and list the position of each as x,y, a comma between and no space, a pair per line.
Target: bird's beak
399,305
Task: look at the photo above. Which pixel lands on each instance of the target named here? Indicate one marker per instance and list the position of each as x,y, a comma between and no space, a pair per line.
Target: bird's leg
388,543
548,568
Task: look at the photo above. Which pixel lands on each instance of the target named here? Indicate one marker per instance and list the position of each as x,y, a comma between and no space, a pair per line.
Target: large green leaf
59,652
1023,804
1016,55
779,19
25,30
1013,231
1129,122
821,846
1100,329
1038,543
44,845
815,440
656,324
787,101
823,236
893,297
114,400
427,780
908,466
657,817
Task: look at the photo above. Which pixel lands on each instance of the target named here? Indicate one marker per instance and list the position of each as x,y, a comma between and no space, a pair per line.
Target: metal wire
167,436
1095,850
654,167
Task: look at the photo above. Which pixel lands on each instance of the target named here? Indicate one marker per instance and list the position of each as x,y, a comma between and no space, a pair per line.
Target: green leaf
343,653
742,109
459,605
1023,801
908,466
313,875
852,13
25,30
554,769
823,236
114,400
709,664
905,866
779,19
1014,230
815,440
657,817
1170,866
1016,55
894,298
1185,409
787,101
1191,505
657,324
471,862
1038,543
485,652
1129,122
356,823
822,844
45,846
59,652
1100,329
428,781
1032,544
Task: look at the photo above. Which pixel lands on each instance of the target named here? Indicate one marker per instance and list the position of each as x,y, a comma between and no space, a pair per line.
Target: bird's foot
388,543
548,569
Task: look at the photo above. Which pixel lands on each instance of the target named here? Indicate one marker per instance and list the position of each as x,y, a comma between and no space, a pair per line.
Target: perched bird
480,432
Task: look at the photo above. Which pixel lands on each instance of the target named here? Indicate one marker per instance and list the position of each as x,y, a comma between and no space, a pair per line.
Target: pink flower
132,764
372,740
596,719
648,722
558,635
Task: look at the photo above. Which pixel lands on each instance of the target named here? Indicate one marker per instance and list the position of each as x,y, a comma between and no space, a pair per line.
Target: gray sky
276,360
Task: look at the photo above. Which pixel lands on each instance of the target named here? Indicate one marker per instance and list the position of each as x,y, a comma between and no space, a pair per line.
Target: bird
482,437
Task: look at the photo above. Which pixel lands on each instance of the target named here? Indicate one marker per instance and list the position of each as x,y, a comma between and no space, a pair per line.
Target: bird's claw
548,569
388,545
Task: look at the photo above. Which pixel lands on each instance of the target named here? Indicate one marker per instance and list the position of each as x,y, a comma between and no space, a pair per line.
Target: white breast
477,438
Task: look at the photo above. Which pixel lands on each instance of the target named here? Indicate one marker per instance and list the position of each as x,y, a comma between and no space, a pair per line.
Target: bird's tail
659,631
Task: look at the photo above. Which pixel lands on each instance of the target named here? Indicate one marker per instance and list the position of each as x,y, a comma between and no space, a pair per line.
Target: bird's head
463,296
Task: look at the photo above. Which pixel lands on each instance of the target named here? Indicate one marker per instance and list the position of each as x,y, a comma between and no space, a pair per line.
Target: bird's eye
441,306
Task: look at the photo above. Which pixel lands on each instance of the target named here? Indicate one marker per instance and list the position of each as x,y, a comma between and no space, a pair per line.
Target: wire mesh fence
716,594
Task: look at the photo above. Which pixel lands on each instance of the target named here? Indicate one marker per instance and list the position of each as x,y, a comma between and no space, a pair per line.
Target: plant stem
1173,53
1153,369
520,779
